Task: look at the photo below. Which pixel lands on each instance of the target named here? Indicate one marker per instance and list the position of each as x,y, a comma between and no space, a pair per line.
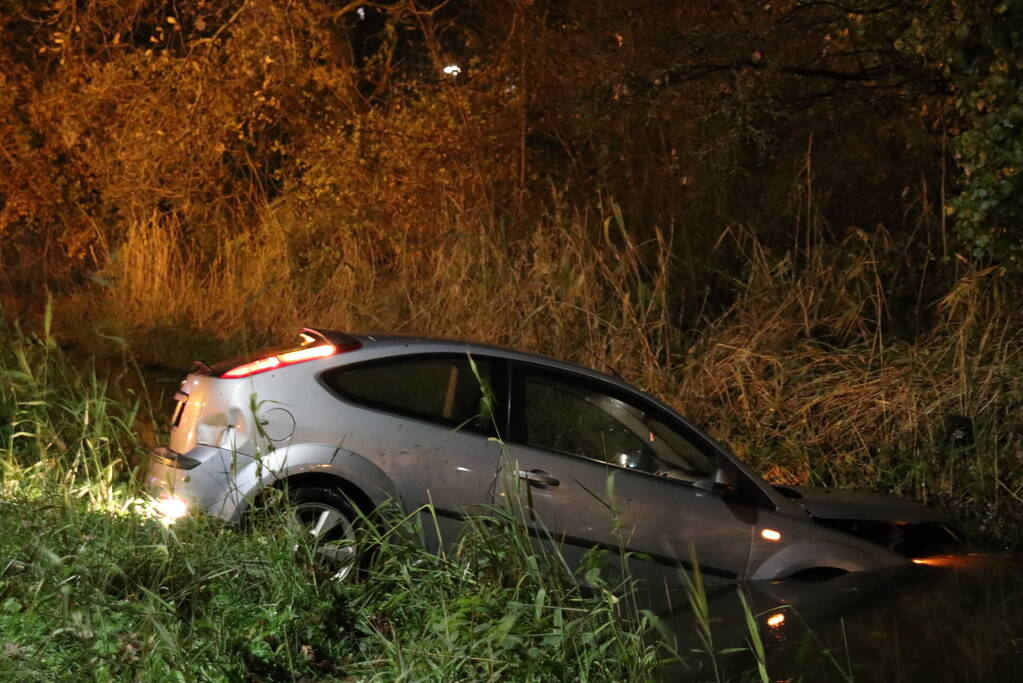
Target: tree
978,47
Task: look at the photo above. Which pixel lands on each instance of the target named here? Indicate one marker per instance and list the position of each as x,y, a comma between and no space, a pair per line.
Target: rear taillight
280,360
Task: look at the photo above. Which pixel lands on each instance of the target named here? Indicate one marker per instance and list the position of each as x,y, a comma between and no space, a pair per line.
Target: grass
494,608
801,372
218,219
121,597
91,584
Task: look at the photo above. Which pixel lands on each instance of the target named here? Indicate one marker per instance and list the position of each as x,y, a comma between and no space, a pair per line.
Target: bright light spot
288,358
452,70
261,365
939,561
463,469
361,12
770,535
170,508
776,620
308,354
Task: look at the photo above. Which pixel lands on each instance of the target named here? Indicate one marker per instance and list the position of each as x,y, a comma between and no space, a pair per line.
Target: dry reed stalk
797,373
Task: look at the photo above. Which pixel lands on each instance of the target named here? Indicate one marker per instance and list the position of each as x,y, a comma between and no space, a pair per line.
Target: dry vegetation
207,178
798,373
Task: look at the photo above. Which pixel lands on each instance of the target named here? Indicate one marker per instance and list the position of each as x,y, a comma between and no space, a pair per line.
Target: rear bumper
204,479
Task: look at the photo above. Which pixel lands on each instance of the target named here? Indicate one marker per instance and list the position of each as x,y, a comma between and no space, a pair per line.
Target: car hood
826,503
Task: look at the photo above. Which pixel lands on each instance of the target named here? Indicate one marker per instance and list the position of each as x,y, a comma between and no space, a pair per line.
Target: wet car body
450,428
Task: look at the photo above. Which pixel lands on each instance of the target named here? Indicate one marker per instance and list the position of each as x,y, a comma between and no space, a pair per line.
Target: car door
601,467
430,422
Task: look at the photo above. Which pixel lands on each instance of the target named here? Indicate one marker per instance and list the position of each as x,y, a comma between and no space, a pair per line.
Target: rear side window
441,389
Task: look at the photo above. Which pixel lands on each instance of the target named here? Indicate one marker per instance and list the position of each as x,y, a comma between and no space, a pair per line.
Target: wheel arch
342,470
328,481
813,557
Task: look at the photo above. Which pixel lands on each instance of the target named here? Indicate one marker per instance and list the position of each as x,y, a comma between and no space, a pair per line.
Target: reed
809,371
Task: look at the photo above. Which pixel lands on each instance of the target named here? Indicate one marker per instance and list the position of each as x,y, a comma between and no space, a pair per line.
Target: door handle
538,478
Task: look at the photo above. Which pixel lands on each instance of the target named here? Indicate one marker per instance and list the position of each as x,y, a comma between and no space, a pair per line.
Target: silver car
452,428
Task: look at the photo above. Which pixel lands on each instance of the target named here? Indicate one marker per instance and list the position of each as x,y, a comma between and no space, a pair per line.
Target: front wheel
331,521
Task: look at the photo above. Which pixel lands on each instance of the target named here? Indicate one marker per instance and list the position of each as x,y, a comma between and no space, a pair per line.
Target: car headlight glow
170,508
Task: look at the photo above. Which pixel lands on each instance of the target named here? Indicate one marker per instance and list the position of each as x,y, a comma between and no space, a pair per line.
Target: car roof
382,346
392,344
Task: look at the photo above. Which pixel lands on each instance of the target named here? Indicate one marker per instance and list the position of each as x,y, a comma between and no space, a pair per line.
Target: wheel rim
333,537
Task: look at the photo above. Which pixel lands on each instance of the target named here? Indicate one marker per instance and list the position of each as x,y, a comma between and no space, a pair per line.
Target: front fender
815,554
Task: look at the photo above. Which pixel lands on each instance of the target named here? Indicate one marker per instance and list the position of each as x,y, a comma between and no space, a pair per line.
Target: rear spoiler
341,341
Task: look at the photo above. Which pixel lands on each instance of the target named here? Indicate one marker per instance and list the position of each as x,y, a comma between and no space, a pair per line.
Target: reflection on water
947,618
953,561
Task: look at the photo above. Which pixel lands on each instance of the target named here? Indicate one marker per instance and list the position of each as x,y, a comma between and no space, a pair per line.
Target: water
955,619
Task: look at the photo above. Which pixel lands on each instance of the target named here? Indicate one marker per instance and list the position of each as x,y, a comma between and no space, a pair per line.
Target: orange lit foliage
692,117
120,112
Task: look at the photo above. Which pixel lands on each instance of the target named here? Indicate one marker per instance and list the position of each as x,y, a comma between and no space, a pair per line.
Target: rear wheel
331,522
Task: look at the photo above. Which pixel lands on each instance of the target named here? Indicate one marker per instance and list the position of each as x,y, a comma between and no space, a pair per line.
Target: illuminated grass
89,582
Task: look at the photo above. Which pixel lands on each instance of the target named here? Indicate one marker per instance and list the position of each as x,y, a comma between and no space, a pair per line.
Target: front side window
578,418
441,389
562,418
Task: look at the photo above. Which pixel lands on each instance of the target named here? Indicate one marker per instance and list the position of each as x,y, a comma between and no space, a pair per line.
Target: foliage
61,425
810,373
978,47
735,206
492,608
87,585
117,114
123,597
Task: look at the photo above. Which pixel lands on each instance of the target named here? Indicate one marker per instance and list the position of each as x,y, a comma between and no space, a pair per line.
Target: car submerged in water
344,423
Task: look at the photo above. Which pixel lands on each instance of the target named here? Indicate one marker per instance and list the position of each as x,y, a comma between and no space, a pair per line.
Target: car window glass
438,389
677,456
563,418
575,418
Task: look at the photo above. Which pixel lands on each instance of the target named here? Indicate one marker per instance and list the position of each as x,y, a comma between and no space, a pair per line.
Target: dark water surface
949,618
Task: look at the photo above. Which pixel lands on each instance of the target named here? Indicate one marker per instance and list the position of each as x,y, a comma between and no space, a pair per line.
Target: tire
333,522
